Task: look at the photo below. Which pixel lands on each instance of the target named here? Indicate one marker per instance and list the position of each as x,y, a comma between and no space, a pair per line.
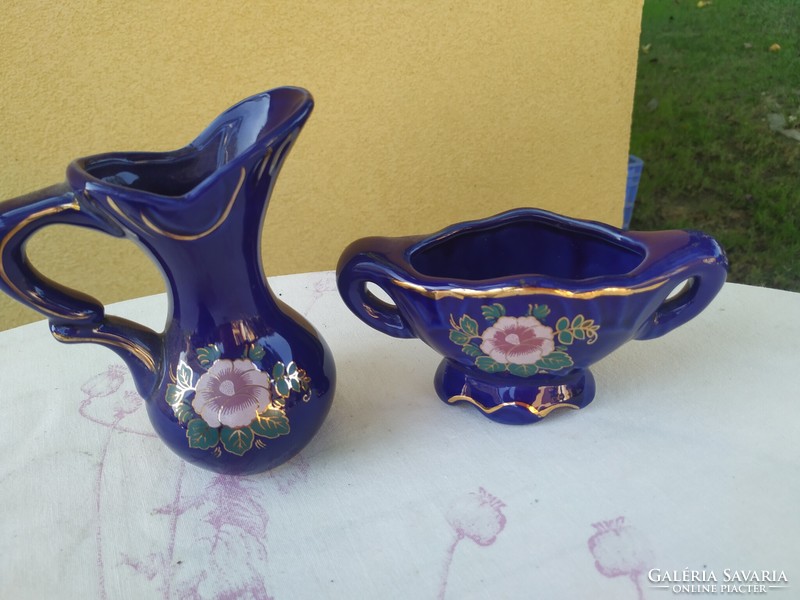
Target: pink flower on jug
517,340
231,393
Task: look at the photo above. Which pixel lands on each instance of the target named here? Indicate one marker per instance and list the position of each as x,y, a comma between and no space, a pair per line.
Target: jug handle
353,275
704,277
73,316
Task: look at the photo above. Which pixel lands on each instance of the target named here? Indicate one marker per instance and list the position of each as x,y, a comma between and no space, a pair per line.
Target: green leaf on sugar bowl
555,361
488,364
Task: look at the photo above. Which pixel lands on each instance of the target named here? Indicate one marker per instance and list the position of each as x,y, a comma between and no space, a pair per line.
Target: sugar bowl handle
699,279
356,269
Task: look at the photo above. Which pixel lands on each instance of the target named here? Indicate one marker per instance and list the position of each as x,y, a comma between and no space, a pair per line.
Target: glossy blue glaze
230,351
522,303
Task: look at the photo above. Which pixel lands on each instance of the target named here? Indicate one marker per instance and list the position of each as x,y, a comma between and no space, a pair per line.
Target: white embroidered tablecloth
688,460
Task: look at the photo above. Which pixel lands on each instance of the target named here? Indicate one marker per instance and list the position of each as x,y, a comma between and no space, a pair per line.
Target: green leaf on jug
206,356
183,412
174,394
488,364
184,376
565,337
493,312
270,424
579,334
555,361
256,353
237,441
577,322
278,370
562,323
282,387
200,435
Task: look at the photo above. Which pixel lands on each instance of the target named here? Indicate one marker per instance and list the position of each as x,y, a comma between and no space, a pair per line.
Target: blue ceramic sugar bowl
522,303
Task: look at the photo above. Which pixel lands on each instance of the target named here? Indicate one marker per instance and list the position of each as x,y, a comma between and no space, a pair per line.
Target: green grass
704,90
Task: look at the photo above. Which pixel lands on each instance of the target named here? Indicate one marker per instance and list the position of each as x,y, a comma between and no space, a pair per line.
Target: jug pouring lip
645,261
252,124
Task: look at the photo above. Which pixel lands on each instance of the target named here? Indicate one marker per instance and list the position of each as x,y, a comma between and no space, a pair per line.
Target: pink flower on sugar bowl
230,393
517,340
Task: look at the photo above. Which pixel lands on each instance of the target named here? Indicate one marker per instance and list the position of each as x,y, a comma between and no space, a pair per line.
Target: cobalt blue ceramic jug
522,303
237,382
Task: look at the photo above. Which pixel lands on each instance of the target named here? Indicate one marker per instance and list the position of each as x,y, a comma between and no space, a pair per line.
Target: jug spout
194,193
203,204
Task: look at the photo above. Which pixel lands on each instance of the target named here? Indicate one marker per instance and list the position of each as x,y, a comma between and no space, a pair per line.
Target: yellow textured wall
427,113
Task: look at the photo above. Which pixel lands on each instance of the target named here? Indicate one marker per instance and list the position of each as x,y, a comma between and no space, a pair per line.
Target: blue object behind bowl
635,166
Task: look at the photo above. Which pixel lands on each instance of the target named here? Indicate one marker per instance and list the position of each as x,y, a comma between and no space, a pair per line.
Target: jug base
513,401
